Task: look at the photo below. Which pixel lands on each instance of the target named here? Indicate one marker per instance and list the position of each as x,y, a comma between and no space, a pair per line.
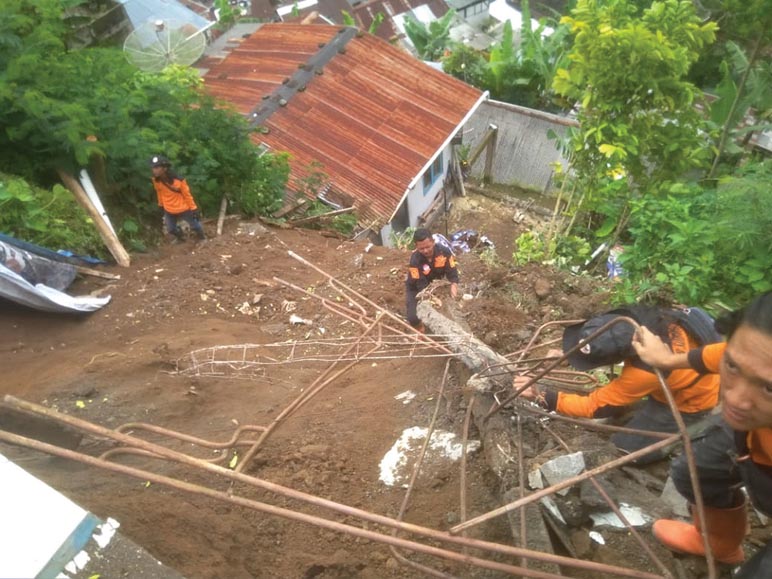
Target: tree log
499,444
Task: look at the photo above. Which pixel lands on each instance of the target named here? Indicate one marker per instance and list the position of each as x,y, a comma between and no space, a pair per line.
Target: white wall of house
386,235
424,192
426,189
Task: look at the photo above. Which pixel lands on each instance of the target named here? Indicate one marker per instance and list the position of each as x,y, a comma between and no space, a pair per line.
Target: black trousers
653,416
722,469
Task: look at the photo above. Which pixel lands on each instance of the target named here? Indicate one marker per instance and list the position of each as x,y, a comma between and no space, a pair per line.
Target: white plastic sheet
41,297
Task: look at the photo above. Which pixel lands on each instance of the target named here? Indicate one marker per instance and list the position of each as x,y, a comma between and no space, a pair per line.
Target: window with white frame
433,173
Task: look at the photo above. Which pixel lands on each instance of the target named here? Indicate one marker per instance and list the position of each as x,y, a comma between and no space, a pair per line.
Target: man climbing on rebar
430,261
637,386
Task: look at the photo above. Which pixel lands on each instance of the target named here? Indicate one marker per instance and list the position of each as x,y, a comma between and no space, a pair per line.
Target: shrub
47,217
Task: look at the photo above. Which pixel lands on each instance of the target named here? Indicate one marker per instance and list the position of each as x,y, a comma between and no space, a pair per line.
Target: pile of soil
120,365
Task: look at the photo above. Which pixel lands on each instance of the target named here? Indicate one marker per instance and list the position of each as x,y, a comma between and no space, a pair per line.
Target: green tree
467,64
638,123
747,24
743,86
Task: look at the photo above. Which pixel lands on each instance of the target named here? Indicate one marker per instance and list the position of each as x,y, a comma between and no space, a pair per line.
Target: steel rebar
303,497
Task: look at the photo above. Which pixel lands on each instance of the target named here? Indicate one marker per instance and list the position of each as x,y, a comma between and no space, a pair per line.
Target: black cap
159,161
610,347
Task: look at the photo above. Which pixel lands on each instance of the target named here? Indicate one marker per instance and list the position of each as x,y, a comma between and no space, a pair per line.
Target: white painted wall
418,200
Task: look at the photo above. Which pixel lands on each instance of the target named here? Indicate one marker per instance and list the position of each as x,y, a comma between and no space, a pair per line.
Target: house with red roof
378,124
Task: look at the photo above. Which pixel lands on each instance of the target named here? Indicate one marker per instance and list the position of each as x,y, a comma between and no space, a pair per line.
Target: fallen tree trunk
496,432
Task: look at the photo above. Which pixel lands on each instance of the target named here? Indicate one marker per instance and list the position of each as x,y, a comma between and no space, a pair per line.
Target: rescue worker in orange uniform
737,449
175,199
695,394
429,261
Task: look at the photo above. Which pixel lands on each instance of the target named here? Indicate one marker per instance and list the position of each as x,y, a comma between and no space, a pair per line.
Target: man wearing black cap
175,199
695,394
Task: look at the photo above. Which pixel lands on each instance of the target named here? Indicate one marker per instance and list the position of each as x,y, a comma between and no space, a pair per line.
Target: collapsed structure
547,487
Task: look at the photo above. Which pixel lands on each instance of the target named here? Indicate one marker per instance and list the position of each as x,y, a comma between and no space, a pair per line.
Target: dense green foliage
643,145
697,245
566,251
67,109
46,216
429,41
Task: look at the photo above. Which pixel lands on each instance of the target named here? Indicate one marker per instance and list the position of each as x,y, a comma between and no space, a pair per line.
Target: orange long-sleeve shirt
175,198
759,441
691,392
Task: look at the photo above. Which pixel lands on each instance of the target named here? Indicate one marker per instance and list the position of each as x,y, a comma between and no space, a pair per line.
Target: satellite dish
155,45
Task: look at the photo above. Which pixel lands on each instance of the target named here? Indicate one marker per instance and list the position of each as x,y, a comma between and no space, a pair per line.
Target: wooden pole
480,147
111,240
221,217
490,154
456,168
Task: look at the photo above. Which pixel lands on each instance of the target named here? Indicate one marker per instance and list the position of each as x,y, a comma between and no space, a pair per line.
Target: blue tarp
62,256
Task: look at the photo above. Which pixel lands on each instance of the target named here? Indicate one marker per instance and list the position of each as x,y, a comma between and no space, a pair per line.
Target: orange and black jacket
692,390
174,195
422,271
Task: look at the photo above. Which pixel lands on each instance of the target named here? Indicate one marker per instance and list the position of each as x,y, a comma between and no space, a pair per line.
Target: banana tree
430,41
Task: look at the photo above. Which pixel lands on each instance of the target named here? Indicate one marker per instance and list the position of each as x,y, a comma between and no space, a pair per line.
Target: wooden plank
111,240
96,273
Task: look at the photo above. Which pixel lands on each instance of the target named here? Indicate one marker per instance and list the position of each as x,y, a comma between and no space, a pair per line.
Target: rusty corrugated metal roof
373,117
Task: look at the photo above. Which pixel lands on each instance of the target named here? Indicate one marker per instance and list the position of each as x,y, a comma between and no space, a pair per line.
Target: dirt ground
119,365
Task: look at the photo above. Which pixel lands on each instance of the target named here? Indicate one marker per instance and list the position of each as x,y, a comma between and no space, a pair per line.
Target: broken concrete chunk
563,468
553,509
572,509
597,537
535,480
634,515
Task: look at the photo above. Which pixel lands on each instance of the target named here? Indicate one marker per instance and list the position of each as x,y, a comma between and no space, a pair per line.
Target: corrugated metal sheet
373,118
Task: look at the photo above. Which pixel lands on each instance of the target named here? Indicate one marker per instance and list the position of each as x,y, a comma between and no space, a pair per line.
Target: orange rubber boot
726,529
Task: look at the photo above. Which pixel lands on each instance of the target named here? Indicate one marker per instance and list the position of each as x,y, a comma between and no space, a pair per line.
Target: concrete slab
43,534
